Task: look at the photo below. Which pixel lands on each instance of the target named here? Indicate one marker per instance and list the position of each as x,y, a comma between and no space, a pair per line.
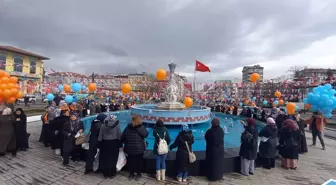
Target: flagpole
194,90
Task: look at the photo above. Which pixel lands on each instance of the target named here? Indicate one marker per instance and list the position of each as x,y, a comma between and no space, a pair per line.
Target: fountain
174,114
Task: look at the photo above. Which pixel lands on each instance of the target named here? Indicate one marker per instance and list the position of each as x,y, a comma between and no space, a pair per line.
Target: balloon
277,94
13,79
67,88
126,88
254,98
7,74
297,107
11,85
83,87
332,92
60,87
11,100
161,74
327,86
276,102
7,93
2,73
253,104
68,99
265,102
329,115
19,95
3,86
254,77
76,87
291,108
5,80
281,102
305,100
188,102
92,87
50,97
15,92
240,104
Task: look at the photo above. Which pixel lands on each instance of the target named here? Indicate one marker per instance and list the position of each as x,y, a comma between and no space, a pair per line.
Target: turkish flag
201,67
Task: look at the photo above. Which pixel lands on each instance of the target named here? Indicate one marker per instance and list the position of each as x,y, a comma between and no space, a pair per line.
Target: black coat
289,152
303,148
248,147
69,136
214,138
182,155
134,139
279,122
56,129
93,143
21,132
268,149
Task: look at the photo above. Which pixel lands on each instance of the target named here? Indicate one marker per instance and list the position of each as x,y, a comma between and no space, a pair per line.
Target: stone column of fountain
171,93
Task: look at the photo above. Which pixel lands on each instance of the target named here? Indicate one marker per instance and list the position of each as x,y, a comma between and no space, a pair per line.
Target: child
182,155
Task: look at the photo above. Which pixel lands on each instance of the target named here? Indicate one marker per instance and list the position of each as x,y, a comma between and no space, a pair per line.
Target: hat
185,128
101,117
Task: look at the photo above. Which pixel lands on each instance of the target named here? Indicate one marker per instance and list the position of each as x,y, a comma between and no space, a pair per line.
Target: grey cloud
133,36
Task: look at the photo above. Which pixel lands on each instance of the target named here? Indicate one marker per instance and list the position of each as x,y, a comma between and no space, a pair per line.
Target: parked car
32,99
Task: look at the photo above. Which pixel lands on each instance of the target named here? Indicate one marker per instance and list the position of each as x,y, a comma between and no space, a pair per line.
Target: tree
295,72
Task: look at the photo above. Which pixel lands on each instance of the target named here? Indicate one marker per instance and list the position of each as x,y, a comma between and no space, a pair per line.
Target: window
18,64
2,62
32,67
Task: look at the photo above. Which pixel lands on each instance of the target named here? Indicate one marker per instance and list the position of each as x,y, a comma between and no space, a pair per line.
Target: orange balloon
13,79
19,95
67,88
1,93
14,92
7,93
2,73
11,86
253,104
254,77
3,86
161,74
5,80
188,102
281,102
11,100
92,87
277,94
126,88
7,74
291,108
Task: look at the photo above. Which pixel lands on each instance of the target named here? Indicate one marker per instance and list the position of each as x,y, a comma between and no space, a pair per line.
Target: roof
23,52
72,74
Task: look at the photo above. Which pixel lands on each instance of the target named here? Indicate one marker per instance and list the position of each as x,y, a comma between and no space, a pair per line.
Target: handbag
80,140
121,160
96,161
192,156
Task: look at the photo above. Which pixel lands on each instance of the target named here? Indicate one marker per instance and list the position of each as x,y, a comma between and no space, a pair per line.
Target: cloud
135,36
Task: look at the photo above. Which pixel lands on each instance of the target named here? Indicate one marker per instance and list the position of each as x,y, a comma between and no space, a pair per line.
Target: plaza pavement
39,165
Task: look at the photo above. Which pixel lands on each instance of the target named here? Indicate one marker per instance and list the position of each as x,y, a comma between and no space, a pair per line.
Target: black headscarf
22,116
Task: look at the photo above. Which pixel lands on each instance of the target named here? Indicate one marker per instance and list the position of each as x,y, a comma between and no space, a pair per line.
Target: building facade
248,70
27,66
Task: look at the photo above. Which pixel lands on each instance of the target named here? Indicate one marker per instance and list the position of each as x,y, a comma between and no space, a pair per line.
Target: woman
56,128
215,151
134,139
20,125
235,110
248,147
160,132
184,138
70,130
289,149
268,144
303,148
45,132
93,142
110,139
7,132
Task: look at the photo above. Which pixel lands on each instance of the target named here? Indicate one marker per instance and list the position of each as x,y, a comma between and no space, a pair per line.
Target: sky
131,36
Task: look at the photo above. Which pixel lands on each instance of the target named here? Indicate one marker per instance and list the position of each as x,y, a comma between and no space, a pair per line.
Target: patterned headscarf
185,128
290,124
75,124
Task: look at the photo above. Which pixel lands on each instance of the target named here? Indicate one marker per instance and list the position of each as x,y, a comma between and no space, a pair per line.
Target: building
248,70
317,75
138,80
27,66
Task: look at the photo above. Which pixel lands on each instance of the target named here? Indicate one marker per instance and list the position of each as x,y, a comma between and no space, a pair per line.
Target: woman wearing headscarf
56,128
289,148
7,132
134,139
235,110
93,142
70,130
268,144
303,148
280,118
183,141
20,125
214,138
248,147
110,143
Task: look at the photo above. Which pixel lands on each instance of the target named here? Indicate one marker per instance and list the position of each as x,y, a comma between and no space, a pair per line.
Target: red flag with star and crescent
201,67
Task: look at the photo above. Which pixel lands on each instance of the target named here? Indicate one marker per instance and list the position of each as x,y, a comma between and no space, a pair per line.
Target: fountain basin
150,113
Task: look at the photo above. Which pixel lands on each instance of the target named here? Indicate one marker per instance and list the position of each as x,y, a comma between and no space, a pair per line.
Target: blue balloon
329,115
276,102
265,102
327,86
76,87
332,92
75,99
297,108
241,104
305,100
68,99
60,87
83,87
254,98
50,97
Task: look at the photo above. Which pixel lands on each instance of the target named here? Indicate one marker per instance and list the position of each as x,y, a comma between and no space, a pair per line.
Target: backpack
162,146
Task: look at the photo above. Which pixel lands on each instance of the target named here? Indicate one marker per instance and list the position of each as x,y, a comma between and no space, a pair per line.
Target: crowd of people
283,137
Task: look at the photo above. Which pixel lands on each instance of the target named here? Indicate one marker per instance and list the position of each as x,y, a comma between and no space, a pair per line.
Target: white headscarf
7,111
